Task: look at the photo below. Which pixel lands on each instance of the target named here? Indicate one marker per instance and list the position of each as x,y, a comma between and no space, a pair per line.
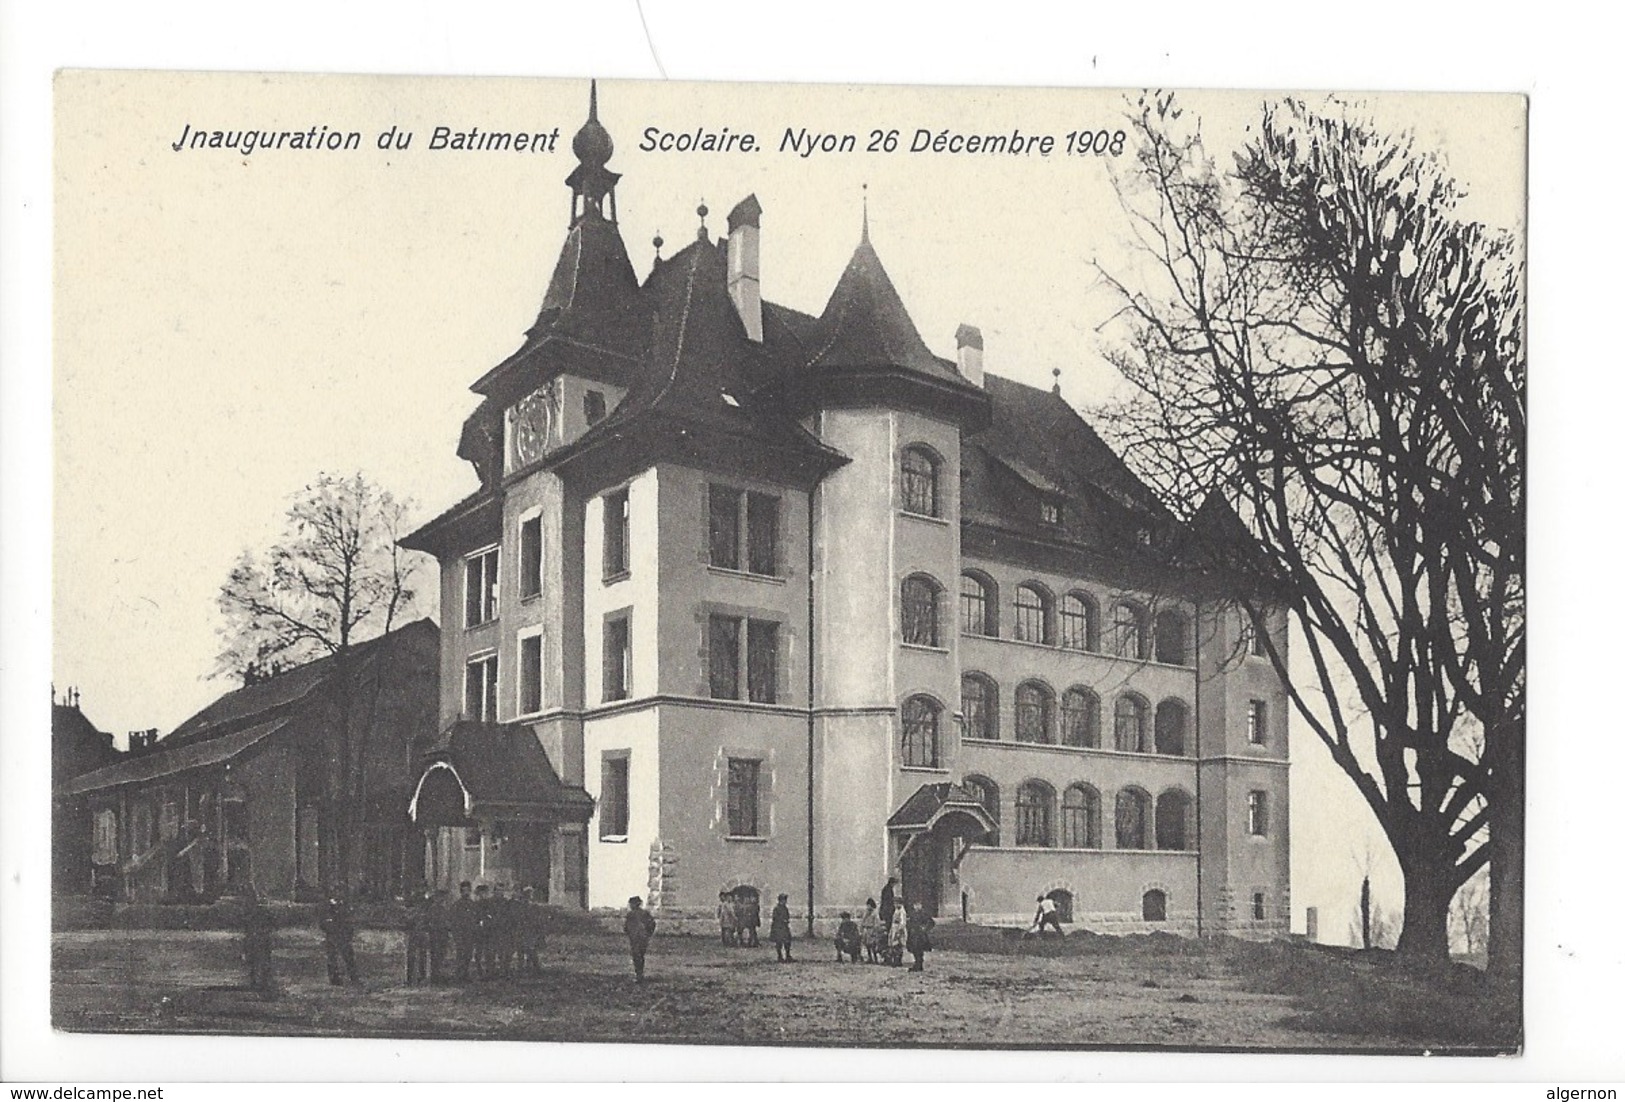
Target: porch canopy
941,807
486,771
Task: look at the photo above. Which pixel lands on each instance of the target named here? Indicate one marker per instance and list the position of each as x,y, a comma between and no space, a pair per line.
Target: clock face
535,424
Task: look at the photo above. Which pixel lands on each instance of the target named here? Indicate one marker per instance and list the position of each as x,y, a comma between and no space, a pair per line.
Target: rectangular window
724,526
1258,906
530,674
592,404
480,689
1258,813
1256,731
530,557
617,658
763,661
744,797
614,811
480,588
762,530
723,653
743,530
743,654
1256,640
473,839
1049,512
617,534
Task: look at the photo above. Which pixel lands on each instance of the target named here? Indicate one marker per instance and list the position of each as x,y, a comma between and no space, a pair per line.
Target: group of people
887,930
740,916
495,934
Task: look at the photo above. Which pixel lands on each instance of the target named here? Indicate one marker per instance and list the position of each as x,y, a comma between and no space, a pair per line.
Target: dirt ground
983,988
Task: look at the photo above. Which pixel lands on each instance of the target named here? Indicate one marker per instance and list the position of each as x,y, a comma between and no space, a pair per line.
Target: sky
226,326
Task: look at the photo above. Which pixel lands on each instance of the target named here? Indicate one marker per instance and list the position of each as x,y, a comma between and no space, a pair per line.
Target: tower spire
591,184
865,213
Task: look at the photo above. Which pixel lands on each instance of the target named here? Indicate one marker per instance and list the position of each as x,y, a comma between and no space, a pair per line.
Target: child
873,932
779,932
728,919
848,942
898,936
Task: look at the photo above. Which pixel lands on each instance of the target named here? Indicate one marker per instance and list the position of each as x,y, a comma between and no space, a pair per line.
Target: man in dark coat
888,901
919,936
338,934
640,930
465,928
258,926
779,929
530,932
417,940
438,922
485,950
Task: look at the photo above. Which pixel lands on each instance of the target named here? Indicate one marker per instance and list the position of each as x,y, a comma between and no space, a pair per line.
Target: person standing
465,929
640,930
918,937
338,936
897,937
417,940
727,919
749,910
438,922
888,902
485,956
530,932
779,930
872,932
258,927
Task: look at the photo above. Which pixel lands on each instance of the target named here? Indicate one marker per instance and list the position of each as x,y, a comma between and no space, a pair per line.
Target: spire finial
592,101
659,241
702,210
1055,371
866,213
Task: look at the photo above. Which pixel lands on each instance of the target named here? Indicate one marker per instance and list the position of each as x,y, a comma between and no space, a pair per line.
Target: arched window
1035,713
1173,820
1154,906
1078,629
921,746
979,701
920,481
1035,814
1080,718
1033,615
1080,818
1128,724
1063,904
986,793
978,605
1170,727
1133,813
1171,633
1128,630
920,611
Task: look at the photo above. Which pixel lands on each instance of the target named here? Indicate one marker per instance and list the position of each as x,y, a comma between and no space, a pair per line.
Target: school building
752,598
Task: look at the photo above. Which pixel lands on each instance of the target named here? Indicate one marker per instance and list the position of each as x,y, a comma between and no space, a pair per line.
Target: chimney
969,339
745,264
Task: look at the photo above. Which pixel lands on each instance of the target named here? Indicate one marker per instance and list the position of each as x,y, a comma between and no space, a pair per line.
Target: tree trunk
1428,892
1506,854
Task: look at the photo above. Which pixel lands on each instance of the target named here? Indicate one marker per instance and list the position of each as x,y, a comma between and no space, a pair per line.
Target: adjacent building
754,600
252,791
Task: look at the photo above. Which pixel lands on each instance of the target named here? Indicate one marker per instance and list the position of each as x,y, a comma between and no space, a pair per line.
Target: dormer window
1049,512
593,405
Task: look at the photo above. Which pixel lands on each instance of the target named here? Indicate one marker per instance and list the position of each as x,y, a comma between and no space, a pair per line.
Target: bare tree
1324,351
1470,916
336,578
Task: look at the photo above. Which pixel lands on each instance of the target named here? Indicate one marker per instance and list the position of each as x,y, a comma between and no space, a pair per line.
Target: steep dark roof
504,764
77,745
865,325
932,803
251,702
177,759
701,372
